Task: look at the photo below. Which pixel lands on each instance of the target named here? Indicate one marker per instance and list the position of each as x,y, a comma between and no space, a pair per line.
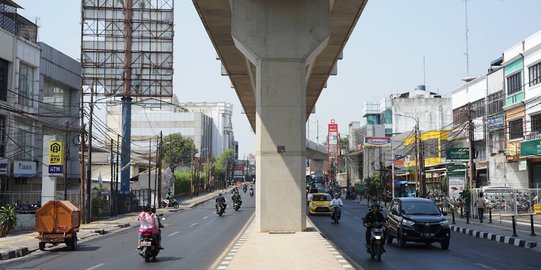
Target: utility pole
117,174
417,155
471,138
422,172
149,167
66,156
160,169
89,164
111,179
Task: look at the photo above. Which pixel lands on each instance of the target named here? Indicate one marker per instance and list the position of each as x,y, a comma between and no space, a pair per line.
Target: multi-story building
222,127
39,93
530,148
522,111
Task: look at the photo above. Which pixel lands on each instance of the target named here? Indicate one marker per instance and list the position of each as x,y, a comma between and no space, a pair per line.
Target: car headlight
408,222
444,223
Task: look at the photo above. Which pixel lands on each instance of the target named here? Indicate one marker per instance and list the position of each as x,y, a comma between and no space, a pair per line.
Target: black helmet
147,208
375,205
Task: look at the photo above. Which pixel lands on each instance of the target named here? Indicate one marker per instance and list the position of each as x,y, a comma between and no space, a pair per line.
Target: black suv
418,220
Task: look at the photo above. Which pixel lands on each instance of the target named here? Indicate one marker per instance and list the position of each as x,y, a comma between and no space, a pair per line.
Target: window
478,108
26,85
536,123
495,103
514,83
2,136
4,65
430,148
24,138
515,129
497,141
460,115
55,95
535,74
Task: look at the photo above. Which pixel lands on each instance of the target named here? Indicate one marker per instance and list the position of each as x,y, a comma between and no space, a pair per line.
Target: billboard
127,48
56,157
377,142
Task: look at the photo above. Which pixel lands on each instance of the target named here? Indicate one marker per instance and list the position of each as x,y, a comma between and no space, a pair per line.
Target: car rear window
321,198
420,208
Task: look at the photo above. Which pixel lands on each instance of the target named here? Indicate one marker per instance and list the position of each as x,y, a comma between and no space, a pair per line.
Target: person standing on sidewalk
480,203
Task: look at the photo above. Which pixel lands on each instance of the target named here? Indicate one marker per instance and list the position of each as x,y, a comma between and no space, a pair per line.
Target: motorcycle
149,247
220,209
169,203
336,213
236,205
350,195
251,192
244,189
377,235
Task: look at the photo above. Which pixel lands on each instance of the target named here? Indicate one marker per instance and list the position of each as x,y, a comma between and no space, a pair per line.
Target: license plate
146,244
427,235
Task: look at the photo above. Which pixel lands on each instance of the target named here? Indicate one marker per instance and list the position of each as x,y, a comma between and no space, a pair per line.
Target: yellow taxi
320,204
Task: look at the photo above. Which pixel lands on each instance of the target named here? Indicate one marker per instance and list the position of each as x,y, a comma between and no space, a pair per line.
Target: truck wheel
73,241
41,246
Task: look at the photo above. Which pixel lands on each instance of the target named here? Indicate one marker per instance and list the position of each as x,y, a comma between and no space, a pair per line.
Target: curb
496,237
20,252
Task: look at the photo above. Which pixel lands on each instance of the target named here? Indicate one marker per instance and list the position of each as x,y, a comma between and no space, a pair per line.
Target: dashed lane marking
191,226
172,234
485,266
96,266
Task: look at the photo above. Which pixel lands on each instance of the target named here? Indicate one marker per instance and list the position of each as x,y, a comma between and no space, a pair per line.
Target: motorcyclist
372,217
220,200
336,201
236,198
244,187
148,223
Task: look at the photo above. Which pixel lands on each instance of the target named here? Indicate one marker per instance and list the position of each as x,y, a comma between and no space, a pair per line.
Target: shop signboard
456,166
458,153
495,122
530,148
377,141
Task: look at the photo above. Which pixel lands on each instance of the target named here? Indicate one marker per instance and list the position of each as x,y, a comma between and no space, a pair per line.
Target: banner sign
456,166
377,141
456,185
4,166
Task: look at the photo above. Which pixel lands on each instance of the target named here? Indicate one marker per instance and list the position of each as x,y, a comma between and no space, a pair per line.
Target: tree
222,164
177,150
8,219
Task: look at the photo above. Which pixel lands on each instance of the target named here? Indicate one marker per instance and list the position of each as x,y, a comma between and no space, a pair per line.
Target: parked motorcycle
377,235
220,209
336,214
169,203
149,247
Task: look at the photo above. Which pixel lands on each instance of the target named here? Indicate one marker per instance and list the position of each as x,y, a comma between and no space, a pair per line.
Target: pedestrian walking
480,203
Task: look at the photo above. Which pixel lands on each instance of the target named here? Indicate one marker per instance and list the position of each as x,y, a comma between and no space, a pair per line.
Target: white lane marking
356,218
205,217
173,234
191,226
485,266
345,212
96,266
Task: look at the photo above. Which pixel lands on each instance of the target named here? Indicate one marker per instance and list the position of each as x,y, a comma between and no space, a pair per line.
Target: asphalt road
193,239
465,252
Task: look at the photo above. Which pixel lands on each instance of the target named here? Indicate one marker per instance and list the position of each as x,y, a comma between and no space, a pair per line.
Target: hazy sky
384,55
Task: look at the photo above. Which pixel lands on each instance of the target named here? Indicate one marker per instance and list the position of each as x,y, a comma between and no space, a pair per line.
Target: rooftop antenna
467,43
424,71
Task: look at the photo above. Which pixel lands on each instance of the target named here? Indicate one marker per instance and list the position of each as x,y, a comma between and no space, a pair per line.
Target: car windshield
321,198
420,208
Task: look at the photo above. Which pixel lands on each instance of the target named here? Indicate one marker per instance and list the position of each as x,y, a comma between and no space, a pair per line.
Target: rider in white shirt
336,201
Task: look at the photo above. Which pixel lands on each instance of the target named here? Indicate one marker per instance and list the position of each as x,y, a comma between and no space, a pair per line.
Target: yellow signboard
56,153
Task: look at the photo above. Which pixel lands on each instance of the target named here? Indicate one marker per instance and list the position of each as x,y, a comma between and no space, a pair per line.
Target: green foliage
8,219
177,150
465,196
222,164
182,182
97,203
373,185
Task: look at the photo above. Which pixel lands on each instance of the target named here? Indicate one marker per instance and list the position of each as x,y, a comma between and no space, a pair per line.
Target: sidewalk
20,244
295,250
501,230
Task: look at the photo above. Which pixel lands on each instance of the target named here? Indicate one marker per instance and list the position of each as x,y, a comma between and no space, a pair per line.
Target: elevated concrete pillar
281,38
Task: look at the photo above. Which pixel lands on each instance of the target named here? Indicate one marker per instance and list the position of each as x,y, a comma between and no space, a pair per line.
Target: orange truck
58,222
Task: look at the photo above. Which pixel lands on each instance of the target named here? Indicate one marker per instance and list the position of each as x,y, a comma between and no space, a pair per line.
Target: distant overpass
279,55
